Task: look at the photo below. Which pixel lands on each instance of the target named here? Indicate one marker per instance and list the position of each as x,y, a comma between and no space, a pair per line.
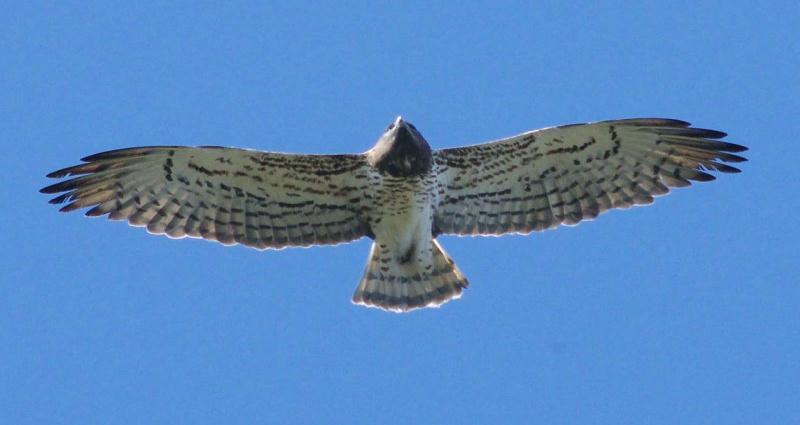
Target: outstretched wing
259,199
563,175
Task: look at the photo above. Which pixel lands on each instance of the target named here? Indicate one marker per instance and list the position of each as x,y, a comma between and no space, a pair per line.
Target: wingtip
703,177
725,168
68,208
707,133
675,122
107,154
50,189
58,173
733,147
652,122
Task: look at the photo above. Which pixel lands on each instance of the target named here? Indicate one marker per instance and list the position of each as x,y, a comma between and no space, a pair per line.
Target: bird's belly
405,219
402,227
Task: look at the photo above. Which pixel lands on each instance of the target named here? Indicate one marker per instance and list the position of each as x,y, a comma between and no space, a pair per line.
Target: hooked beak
398,125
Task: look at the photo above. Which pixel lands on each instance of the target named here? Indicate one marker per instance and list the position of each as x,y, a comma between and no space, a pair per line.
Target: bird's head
401,151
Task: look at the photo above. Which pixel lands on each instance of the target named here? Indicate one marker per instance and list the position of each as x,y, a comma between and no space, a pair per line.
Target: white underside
407,221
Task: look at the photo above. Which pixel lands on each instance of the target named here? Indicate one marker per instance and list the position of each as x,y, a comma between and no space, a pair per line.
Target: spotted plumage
401,193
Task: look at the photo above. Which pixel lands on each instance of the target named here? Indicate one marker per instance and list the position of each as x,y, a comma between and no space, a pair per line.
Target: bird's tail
403,284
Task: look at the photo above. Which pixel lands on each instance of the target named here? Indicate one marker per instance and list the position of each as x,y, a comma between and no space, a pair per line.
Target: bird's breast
403,213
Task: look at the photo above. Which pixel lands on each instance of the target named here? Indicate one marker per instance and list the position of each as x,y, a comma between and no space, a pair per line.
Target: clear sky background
687,311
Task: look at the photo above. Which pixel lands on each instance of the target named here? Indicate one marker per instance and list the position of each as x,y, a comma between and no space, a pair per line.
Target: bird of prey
401,193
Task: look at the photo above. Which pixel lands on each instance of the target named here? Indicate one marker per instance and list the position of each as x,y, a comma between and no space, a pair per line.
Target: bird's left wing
258,199
563,175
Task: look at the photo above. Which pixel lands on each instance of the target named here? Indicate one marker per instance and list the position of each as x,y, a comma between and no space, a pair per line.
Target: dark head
401,151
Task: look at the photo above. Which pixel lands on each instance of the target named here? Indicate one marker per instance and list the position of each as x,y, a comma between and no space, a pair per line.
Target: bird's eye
391,126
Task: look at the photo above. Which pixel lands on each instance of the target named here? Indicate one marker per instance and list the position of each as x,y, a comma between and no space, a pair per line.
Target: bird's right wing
258,199
563,175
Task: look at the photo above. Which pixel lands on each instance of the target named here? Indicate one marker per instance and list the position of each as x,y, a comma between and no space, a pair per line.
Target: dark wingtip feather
671,122
75,170
60,186
59,173
126,152
53,188
115,153
733,147
96,211
650,122
69,207
707,133
728,147
702,177
60,199
724,168
729,157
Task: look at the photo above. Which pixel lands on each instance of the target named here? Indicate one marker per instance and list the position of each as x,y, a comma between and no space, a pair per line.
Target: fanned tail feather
392,286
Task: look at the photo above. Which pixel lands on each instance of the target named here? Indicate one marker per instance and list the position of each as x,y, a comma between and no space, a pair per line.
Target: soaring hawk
401,193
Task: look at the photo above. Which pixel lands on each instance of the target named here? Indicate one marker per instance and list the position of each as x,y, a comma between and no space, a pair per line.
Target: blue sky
682,312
